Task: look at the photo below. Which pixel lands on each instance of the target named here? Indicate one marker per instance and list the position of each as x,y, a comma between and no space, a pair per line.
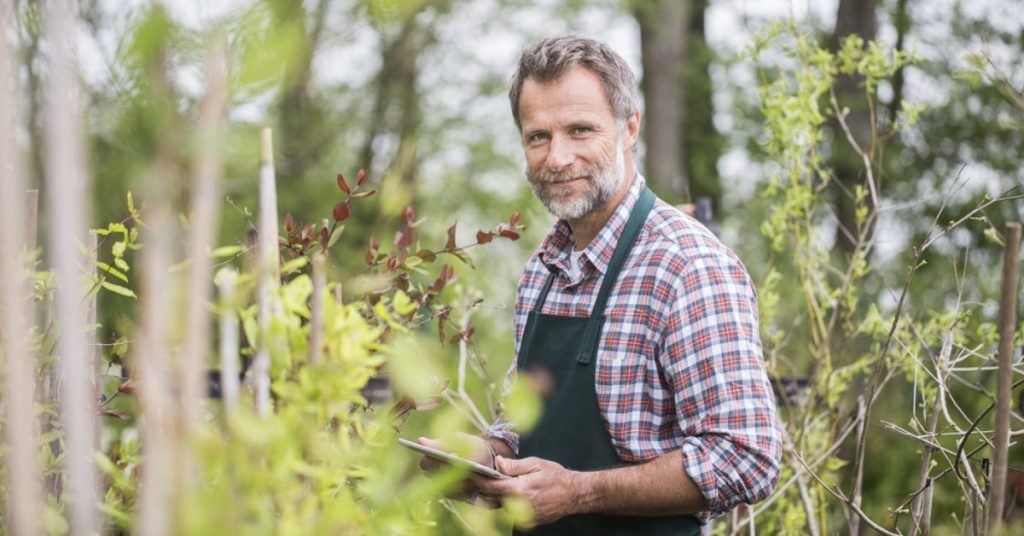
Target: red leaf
511,235
307,230
341,211
409,215
361,177
288,224
343,185
451,237
325,237
483,238
391,263
403,238
369,258
426,255
455,338
514,220
447,272
374,245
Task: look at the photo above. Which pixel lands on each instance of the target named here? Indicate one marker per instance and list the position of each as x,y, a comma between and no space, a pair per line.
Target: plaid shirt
679,362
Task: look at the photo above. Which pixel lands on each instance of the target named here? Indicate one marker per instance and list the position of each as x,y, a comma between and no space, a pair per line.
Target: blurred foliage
406,90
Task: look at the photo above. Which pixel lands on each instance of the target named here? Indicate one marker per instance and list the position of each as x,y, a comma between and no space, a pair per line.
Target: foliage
834,354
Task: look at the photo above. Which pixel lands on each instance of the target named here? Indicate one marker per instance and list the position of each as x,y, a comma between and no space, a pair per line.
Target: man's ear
632,130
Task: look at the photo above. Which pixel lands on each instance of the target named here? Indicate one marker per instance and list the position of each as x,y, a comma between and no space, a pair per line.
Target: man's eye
533,138
581,130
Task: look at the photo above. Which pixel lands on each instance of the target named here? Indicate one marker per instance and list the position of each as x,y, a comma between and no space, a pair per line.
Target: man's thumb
512,467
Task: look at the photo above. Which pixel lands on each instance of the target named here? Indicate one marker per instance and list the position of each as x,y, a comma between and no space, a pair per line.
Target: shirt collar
555,249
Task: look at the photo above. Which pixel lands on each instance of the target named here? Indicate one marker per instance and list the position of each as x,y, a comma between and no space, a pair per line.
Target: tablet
450,458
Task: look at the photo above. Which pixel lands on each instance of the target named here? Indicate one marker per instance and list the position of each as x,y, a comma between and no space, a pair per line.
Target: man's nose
561,154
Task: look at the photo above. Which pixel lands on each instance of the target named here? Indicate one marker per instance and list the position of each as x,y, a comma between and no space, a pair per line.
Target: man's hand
470,447
476,449
552,490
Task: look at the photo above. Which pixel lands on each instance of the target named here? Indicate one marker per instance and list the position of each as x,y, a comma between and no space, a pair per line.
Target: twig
839,495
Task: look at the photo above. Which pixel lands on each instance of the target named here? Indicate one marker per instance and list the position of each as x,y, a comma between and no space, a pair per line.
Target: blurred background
415,92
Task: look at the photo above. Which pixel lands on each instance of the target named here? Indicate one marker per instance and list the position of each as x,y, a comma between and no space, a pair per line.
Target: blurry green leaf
108,269
523,406
294,265
335,235
118,289
227,251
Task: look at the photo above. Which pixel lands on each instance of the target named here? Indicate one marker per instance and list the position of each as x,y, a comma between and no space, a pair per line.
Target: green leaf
118,289
120,263
227,251
131,202
335,235
294,265
118,248
108,269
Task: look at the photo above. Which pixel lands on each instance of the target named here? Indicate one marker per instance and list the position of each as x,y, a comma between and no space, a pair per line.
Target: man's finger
426,462
512,467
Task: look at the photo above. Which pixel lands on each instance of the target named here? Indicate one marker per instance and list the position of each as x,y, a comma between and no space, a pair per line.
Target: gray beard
604,182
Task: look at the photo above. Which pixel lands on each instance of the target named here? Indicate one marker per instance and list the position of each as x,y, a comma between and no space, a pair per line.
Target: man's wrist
584,489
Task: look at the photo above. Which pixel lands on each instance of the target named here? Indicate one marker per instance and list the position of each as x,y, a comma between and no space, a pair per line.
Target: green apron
571,430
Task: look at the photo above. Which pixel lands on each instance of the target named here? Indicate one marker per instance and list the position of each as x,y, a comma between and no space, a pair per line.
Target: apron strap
637,217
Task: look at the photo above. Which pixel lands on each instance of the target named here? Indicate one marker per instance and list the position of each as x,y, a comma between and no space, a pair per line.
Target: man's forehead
578,87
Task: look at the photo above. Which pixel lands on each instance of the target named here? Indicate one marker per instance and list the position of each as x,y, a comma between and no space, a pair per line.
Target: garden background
306,221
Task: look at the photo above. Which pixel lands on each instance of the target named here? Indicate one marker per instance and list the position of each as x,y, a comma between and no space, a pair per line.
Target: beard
603,181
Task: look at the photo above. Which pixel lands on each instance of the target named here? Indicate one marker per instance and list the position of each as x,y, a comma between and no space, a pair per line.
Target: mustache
547,176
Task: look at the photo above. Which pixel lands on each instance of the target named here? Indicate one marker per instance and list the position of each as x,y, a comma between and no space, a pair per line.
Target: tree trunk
702,142
664,41
853,17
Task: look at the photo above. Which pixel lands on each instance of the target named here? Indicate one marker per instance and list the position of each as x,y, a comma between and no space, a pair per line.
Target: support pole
1007,329
24,478
268,272
67,181
229,380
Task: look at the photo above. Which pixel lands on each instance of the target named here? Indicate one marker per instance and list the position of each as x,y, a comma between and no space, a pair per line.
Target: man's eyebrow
531,131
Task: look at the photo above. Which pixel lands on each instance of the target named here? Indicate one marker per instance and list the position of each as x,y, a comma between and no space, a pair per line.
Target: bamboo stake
316,322
202,231
268,273
228,341
1007,329
91,338
68,201
152,360
24,479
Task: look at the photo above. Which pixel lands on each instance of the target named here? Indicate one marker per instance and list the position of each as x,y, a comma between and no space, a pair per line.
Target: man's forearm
656,488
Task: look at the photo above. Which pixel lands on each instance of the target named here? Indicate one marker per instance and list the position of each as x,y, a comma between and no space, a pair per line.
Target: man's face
575,148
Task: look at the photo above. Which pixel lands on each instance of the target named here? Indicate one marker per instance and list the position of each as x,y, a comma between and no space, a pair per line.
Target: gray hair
551,58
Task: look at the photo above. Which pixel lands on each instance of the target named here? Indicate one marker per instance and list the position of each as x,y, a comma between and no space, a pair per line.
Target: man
640,324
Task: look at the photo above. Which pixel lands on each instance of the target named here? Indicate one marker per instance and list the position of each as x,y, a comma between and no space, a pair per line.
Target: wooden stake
1007,329
68,202
91,338
268,273
24,478
202,232
228,341
316,322
152,371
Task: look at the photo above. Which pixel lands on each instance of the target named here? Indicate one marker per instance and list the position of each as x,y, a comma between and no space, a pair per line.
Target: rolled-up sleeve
712,357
